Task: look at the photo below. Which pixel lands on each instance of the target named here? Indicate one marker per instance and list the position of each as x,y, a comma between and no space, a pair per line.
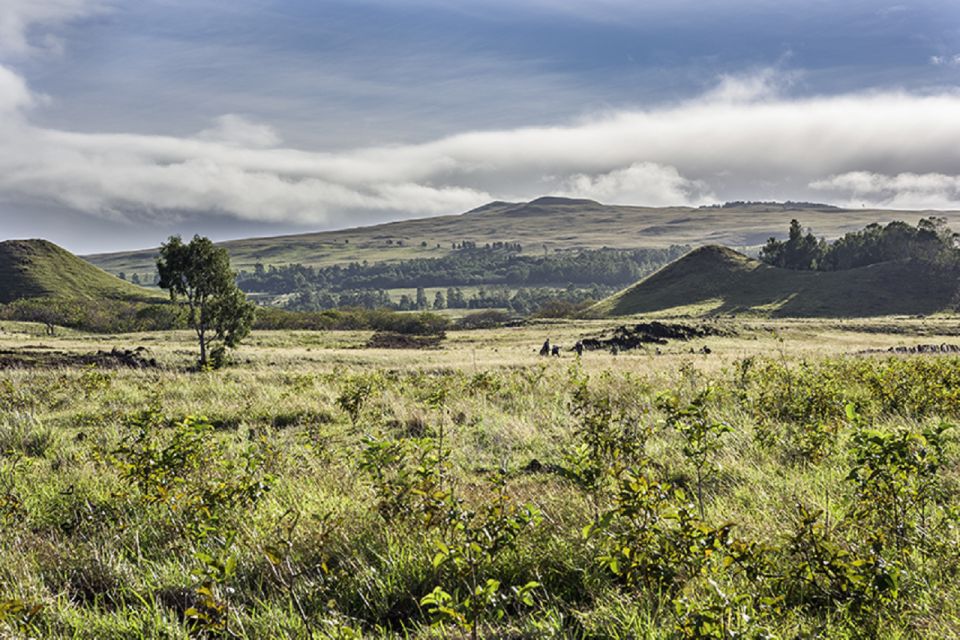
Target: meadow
786,479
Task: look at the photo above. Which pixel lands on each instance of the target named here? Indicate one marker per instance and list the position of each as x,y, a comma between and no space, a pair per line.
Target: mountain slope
41,269
716,280
544,224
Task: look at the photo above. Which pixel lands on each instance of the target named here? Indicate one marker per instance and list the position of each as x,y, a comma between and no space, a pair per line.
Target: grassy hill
544,224
41,269
715,280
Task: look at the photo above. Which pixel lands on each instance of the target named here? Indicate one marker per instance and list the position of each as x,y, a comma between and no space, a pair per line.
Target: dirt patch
390,340
36,358
932,349
624,337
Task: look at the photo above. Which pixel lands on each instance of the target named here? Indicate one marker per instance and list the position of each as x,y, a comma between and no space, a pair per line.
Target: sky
125,121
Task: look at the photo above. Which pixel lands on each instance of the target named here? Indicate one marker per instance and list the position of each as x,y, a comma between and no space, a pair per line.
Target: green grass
41,269
540,225
716,281
90,544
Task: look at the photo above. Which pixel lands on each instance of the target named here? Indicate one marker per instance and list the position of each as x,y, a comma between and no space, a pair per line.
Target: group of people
554,350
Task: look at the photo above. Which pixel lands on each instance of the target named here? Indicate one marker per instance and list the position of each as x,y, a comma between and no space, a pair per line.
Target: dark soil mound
42,358
391,340
624,338
932,349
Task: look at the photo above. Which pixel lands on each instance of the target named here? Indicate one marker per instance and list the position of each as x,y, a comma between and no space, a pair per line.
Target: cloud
743,139
939,61
238,131
763,84
19,18
900,191
646,182
15,96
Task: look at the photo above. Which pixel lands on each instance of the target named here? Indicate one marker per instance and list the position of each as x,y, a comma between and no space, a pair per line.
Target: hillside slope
41,269
544,224
716,280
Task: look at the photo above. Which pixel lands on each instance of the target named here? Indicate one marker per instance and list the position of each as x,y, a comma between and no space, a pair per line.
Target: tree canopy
931,240
198,274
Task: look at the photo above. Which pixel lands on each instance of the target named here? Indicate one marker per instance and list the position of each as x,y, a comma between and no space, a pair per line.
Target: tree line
521,301
930,241
467,266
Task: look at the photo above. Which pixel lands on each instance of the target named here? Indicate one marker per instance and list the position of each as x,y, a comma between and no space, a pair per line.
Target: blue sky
126,121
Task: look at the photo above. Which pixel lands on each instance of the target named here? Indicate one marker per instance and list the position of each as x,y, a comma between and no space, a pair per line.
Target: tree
800,251
199,274
421,298
439,302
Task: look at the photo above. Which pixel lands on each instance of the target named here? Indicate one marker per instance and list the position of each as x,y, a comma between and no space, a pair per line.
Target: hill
715,280
545,224
40,269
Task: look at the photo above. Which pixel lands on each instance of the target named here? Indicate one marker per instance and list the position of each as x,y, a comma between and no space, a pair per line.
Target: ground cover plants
764,490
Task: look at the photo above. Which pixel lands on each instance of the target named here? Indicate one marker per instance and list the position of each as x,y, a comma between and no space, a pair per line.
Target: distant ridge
549,223
41,269
539,206
768,205
715,280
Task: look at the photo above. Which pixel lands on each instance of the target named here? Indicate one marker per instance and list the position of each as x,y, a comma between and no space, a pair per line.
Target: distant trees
500,264
800,251
199,274
930,241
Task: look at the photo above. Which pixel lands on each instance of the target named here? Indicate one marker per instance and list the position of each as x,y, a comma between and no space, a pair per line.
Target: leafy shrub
488,319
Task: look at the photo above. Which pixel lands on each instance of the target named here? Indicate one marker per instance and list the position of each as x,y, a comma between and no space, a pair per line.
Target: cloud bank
901,191
19,18
744,139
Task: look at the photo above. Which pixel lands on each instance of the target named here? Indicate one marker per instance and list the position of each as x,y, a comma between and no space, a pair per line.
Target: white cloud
18,19
238,131
763,84
941,60
742,140
900,191
14,94
644,182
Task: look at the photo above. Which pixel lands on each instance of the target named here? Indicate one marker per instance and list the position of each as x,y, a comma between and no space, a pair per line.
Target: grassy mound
716,280
41,269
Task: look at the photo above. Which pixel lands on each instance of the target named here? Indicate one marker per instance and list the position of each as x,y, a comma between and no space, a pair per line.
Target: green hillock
32,269
715,280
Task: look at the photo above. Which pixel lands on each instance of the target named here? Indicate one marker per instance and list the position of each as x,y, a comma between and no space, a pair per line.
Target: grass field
316,488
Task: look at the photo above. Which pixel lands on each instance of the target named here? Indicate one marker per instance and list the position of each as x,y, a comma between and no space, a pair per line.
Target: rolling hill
544,224
715,280
40,269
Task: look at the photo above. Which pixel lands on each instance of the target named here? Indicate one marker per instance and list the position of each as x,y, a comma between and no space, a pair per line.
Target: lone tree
198,274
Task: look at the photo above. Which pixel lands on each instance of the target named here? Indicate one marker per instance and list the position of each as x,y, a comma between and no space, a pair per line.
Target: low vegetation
754,492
